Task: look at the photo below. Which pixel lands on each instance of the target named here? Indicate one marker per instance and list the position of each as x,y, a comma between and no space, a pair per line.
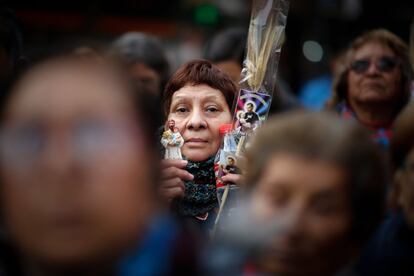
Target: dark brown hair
198,72
323,136
383,37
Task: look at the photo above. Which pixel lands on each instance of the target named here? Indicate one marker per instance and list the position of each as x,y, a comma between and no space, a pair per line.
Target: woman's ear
395,191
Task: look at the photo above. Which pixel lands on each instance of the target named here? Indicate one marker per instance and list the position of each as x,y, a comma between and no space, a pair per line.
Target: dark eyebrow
327,194
211,97
180,99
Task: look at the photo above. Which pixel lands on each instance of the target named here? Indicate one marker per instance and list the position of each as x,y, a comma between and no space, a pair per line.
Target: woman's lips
196,142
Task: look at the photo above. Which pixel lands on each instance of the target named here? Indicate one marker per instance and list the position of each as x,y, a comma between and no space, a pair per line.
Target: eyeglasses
384,64
22,146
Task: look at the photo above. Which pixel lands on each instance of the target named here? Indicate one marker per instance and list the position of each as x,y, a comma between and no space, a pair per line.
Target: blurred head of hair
78,163
325,137
226,49
334,156
145,58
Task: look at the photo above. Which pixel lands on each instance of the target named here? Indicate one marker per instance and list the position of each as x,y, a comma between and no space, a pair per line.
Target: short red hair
198,72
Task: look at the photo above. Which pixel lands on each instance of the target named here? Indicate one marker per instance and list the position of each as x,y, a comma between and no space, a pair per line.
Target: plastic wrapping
259,74
226,160
264,43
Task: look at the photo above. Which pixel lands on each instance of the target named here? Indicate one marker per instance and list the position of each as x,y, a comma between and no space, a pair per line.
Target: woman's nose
57,155
293,226
373,68
196,120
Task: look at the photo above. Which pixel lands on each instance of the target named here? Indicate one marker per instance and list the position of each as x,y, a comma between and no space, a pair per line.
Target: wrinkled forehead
64,88
372,48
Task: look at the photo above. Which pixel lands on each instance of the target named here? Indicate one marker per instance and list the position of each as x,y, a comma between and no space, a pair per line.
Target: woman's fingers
172,188
171,183
170,194
166,163
173,175
173,172
233,178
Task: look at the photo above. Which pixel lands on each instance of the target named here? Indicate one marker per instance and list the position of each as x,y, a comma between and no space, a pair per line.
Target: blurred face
146,78
375,75
406,191
75,181
309,204
249,108
198,112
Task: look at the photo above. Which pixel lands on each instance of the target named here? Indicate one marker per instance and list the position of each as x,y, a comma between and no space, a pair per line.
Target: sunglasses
384,64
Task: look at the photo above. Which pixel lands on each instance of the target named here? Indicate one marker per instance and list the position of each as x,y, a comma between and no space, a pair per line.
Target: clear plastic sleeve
264,43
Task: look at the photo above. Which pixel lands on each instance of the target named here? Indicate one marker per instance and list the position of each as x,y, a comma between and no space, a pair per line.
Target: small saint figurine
172,141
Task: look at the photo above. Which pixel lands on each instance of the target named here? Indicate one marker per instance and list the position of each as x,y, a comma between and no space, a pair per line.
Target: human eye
360,65
387,64
181,109
280,197
23,143
212,109
326,207
90,135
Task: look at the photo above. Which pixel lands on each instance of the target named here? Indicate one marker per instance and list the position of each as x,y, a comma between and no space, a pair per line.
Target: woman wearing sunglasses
374,83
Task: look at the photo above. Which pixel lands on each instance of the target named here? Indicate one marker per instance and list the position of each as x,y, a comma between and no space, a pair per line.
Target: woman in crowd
374,84
198,98
391,250
78,170
315,193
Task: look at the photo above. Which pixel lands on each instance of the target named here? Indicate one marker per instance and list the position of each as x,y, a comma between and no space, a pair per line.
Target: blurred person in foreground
227,50
374,85
315,187
391,250
78,175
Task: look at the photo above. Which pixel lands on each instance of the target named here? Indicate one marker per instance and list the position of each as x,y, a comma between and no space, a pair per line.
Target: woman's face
380,82
198,112
311,212
74,173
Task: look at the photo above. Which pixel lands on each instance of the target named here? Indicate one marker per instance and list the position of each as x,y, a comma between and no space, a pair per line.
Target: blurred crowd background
83,190
317,30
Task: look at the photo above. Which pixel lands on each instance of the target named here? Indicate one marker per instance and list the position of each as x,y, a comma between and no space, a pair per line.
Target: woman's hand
233,178
173,175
